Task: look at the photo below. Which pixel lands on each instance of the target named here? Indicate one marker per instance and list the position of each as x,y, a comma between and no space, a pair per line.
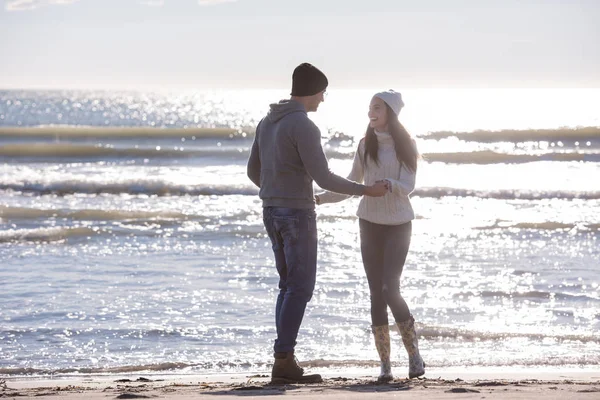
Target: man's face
315,100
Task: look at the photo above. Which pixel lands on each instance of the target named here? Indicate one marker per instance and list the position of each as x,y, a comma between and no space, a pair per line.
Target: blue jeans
293,233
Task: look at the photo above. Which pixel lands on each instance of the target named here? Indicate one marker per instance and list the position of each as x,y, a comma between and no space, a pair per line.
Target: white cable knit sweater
392,209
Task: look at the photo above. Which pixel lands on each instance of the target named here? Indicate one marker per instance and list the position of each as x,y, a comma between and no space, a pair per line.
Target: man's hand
379,189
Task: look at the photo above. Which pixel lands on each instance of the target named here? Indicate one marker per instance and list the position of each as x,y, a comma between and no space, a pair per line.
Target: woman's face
378,114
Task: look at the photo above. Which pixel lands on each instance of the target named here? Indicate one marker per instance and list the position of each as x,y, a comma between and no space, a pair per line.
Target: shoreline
111,131
439,383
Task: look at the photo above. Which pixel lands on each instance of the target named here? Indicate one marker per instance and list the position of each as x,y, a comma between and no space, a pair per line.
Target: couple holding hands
285,159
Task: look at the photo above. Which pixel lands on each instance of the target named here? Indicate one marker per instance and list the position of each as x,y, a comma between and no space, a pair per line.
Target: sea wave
425,331
492,157
528,135
45,234
164,188
162,367
576,360
194,368
89,214
507,194
566,135
532,294
64,152
430,332
59,234
543,225
135,187
80,132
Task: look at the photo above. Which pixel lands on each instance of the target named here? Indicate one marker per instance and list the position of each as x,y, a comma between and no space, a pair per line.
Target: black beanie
308,80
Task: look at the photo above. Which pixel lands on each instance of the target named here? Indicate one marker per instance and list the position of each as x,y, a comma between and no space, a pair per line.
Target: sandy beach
494,383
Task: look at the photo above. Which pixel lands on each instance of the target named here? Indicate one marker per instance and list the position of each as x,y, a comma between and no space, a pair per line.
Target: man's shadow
331,384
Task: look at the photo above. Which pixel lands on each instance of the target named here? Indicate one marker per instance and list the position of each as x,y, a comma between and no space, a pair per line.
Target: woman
387,152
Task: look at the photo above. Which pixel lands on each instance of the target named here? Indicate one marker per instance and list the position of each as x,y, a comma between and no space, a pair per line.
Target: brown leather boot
287,370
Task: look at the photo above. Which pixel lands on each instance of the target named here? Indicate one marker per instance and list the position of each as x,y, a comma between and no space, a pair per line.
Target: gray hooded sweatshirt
287,156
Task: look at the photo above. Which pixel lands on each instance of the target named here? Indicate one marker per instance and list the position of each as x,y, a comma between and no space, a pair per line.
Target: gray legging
384,249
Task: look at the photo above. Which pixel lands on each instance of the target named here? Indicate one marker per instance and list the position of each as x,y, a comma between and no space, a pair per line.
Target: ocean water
131,239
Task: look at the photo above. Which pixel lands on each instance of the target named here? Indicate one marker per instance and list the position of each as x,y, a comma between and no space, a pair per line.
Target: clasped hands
379,188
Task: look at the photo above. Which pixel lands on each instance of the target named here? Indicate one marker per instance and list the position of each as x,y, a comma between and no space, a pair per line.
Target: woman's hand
378,189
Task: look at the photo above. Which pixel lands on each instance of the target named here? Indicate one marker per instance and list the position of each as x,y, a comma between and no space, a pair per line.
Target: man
286,157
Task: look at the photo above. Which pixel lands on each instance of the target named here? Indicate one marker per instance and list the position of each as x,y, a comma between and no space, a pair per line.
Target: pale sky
200,44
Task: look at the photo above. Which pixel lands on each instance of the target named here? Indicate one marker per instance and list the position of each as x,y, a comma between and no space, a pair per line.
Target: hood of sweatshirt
283,108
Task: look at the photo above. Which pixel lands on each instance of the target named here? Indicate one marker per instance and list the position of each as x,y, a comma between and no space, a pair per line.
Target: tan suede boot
381,334
287,370
416,366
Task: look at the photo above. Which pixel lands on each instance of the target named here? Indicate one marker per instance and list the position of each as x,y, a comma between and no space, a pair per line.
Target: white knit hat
392,99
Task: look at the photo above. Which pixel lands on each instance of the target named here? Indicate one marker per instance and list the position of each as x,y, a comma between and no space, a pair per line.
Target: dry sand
439,384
